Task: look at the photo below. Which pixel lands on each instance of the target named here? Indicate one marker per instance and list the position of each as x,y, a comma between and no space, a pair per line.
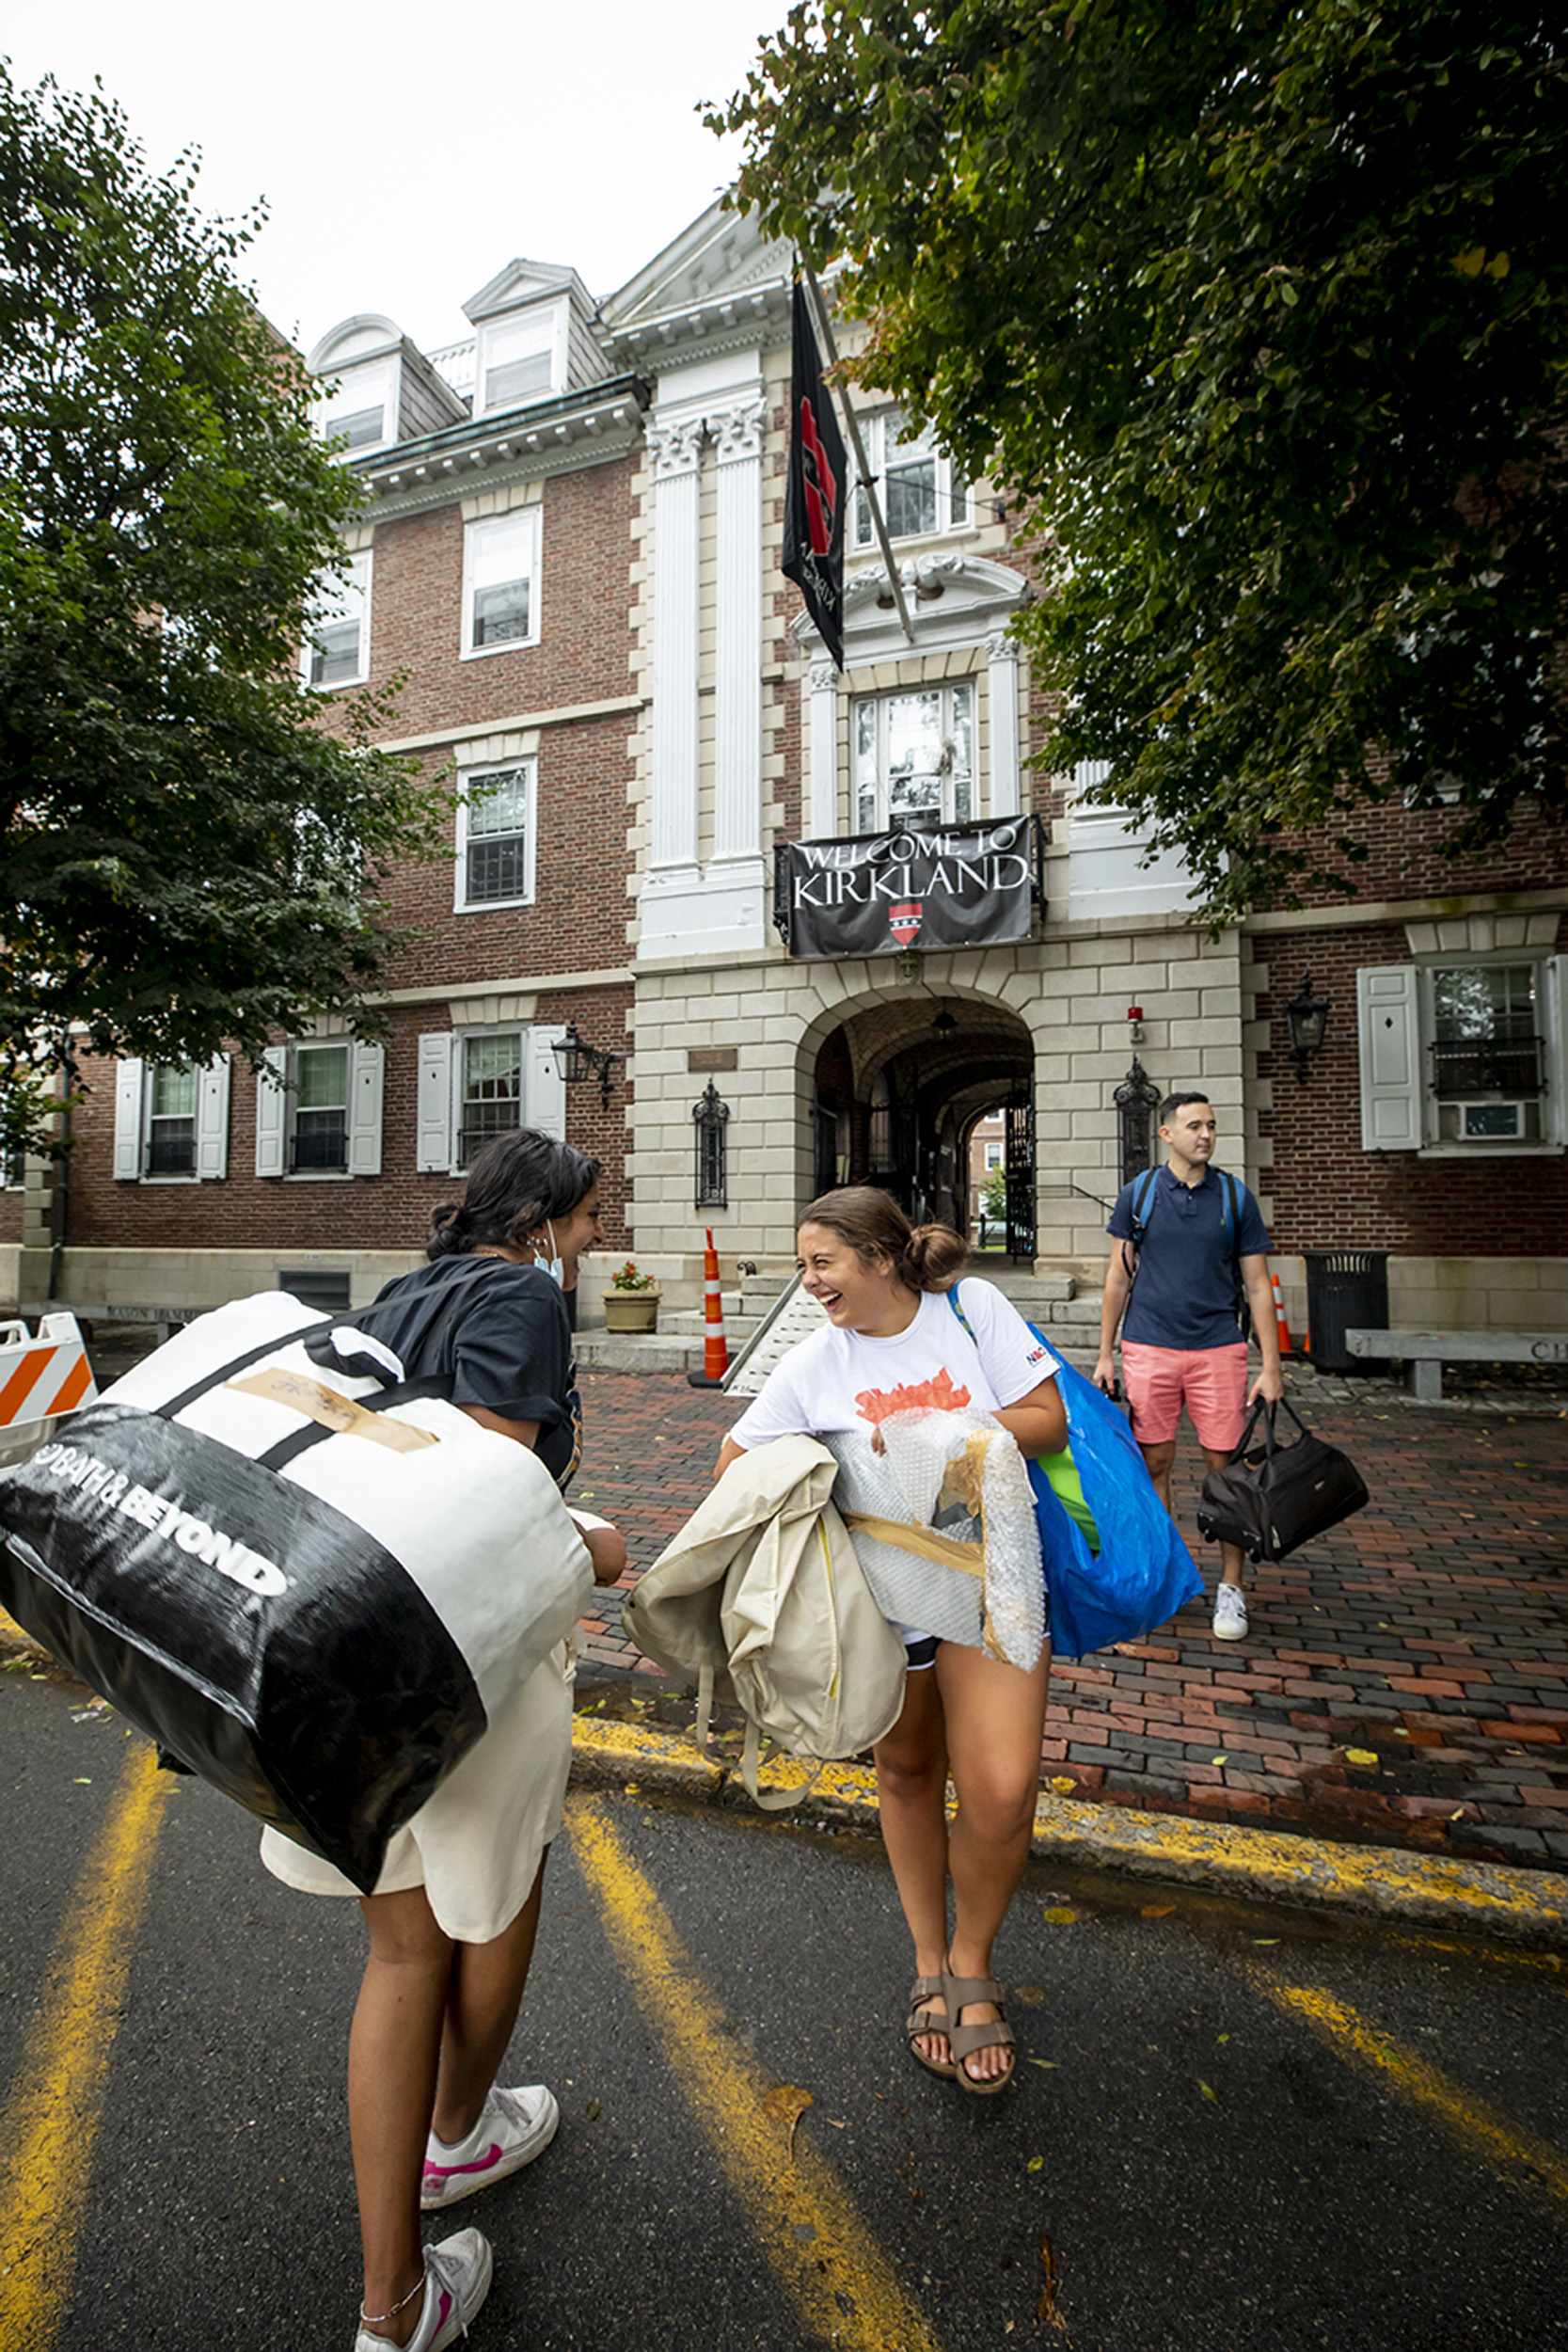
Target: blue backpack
1134,1572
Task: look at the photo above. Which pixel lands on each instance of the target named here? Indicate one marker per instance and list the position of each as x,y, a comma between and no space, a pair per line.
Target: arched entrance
900,1089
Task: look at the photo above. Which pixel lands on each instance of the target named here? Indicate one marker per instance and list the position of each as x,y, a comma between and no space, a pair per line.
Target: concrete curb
1511,1906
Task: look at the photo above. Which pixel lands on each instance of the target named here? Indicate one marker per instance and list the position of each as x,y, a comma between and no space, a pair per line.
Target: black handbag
1270,1499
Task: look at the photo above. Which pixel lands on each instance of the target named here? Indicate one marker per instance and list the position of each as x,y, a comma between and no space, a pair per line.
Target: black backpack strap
1138,1209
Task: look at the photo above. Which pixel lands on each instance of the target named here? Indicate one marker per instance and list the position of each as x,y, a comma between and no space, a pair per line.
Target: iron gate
1018,1153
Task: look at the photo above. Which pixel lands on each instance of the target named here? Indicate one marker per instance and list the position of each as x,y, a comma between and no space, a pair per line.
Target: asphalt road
1235,2129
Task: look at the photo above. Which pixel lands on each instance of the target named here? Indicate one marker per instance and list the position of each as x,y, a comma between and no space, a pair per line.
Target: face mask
552,1265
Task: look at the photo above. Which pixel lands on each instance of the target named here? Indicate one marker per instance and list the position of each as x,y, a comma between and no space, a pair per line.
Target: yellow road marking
50,2118
839,2279
1480,2127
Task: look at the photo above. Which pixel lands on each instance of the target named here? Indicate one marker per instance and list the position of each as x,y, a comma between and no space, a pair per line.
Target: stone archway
897,1089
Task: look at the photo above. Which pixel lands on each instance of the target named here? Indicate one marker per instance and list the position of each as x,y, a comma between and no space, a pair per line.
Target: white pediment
366,336
523,282
722,259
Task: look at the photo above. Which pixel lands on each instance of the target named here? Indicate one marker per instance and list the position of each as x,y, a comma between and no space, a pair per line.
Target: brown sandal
962,1993
919,2021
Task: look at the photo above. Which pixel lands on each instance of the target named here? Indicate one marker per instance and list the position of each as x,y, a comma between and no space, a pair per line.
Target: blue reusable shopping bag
1141,1572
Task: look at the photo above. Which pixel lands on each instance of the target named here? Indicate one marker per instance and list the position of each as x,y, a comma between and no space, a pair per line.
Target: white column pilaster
822,822
676,451
737,633
1002,678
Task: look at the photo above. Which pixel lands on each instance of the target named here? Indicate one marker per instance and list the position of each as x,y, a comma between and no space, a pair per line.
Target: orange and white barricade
42,1376
716,1351
1281,1325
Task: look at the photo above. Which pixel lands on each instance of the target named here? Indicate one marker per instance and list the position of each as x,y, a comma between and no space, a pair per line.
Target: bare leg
995,1718
1157,1461
911,1796
483,2000
1216,1457
393,2049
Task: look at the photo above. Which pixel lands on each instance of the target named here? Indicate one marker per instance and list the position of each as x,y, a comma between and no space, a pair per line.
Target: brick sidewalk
1405,1679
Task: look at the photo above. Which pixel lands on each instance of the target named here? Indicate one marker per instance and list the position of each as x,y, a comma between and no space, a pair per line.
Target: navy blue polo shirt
1184,1295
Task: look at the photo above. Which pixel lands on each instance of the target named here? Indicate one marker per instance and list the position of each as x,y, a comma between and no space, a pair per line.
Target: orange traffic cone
716,1353
1285,1348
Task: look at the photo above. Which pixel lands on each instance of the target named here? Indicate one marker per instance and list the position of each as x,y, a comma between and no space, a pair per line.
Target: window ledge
490,906
319,1176
1490,1151
484,653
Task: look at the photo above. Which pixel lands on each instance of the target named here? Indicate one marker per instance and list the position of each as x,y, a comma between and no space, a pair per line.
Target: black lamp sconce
1306,1017
579,1060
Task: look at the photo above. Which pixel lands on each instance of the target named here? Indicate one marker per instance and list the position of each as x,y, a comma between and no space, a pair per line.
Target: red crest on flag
903,921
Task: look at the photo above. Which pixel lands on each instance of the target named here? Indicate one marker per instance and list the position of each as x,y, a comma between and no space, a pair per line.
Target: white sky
407,154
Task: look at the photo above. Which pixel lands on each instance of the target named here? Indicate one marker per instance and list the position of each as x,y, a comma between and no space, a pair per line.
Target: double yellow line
51,2119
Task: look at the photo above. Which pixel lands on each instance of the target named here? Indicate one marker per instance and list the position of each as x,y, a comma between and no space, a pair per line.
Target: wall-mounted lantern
1137,1100
579,1060
711,1117
1306,1017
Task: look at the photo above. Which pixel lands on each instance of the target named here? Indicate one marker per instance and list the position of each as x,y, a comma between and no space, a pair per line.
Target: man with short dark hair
1196,1240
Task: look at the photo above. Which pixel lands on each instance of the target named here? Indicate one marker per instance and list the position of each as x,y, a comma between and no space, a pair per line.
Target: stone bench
1426,1352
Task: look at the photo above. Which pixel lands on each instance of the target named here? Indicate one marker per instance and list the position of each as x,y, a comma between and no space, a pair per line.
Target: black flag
818,486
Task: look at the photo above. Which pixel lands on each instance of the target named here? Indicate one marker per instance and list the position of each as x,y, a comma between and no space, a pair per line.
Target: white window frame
439,1092
539,331
340,601
883,821
463,902
888,455
1396,1028
277,1109
497,551
354,396
133,1090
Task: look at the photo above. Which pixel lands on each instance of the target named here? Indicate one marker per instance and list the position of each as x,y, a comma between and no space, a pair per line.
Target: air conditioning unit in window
1494,1123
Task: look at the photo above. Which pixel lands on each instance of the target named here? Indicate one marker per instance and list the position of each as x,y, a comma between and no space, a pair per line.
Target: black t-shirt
504,1340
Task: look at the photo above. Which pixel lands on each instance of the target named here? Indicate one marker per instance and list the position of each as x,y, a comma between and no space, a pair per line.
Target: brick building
572,550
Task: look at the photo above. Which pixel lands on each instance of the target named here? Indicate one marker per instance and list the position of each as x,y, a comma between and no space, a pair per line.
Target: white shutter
1555,1124
272,1110
367,1064
212,1120
1389,1032
128,1095
545,1106
432,1104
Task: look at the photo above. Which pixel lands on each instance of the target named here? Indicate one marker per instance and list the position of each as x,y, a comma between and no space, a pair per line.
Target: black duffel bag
1270,1499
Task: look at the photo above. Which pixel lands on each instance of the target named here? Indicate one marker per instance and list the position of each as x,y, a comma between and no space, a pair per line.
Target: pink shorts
1210,1381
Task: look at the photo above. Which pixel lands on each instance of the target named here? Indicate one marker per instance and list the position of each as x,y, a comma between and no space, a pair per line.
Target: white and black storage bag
308,1581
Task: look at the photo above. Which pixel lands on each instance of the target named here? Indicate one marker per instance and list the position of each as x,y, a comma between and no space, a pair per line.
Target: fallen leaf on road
1360,1756
1035,2164
1158,1910
1060,1916
1028,1995
1050,2063
784,2106
1061,1787
1222,1759
592,2110
1212,2096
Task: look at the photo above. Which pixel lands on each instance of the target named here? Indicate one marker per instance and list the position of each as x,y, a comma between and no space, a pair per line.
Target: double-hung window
171,1121
495,838
500,582
1461,1055
520,358
339,651
477,1084
920,492
357,409
318,1109
914,757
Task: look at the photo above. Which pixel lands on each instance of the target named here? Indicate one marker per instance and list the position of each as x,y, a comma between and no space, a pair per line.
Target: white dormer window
501,583
361,409
338,650
520,358
920,492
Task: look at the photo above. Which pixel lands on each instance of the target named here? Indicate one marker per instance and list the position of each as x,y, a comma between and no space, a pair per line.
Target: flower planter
631,1310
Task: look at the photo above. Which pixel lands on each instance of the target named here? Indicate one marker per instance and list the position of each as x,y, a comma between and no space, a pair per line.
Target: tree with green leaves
188,854
1261,310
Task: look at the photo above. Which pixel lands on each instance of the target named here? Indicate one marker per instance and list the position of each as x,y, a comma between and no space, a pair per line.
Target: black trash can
1346,1289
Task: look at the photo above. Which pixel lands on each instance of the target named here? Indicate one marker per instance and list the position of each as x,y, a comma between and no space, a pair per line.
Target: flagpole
868,482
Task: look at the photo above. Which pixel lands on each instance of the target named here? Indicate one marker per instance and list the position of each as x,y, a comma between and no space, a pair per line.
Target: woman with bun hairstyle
894,1344
454,1913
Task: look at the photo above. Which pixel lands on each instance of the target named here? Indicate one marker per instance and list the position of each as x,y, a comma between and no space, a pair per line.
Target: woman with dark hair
454,1913
894,1344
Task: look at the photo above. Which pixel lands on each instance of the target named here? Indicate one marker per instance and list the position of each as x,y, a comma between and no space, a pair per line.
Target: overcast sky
406,155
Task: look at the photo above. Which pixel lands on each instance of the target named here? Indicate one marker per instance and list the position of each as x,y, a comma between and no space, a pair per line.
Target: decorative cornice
1002,646
519,445
824,677
732,319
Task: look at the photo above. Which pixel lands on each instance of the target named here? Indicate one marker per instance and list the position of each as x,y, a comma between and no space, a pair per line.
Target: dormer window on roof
523,359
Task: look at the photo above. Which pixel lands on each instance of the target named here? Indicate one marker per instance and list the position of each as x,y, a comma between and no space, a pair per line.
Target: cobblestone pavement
1405,1677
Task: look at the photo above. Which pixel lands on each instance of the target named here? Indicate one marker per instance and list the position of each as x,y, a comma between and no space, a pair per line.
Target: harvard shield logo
903,921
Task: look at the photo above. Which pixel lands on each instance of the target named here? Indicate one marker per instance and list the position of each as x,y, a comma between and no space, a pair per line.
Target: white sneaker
1229,1613
515,2127
456,2281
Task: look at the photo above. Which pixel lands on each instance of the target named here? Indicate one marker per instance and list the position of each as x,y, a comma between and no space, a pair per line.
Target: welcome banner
920,887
